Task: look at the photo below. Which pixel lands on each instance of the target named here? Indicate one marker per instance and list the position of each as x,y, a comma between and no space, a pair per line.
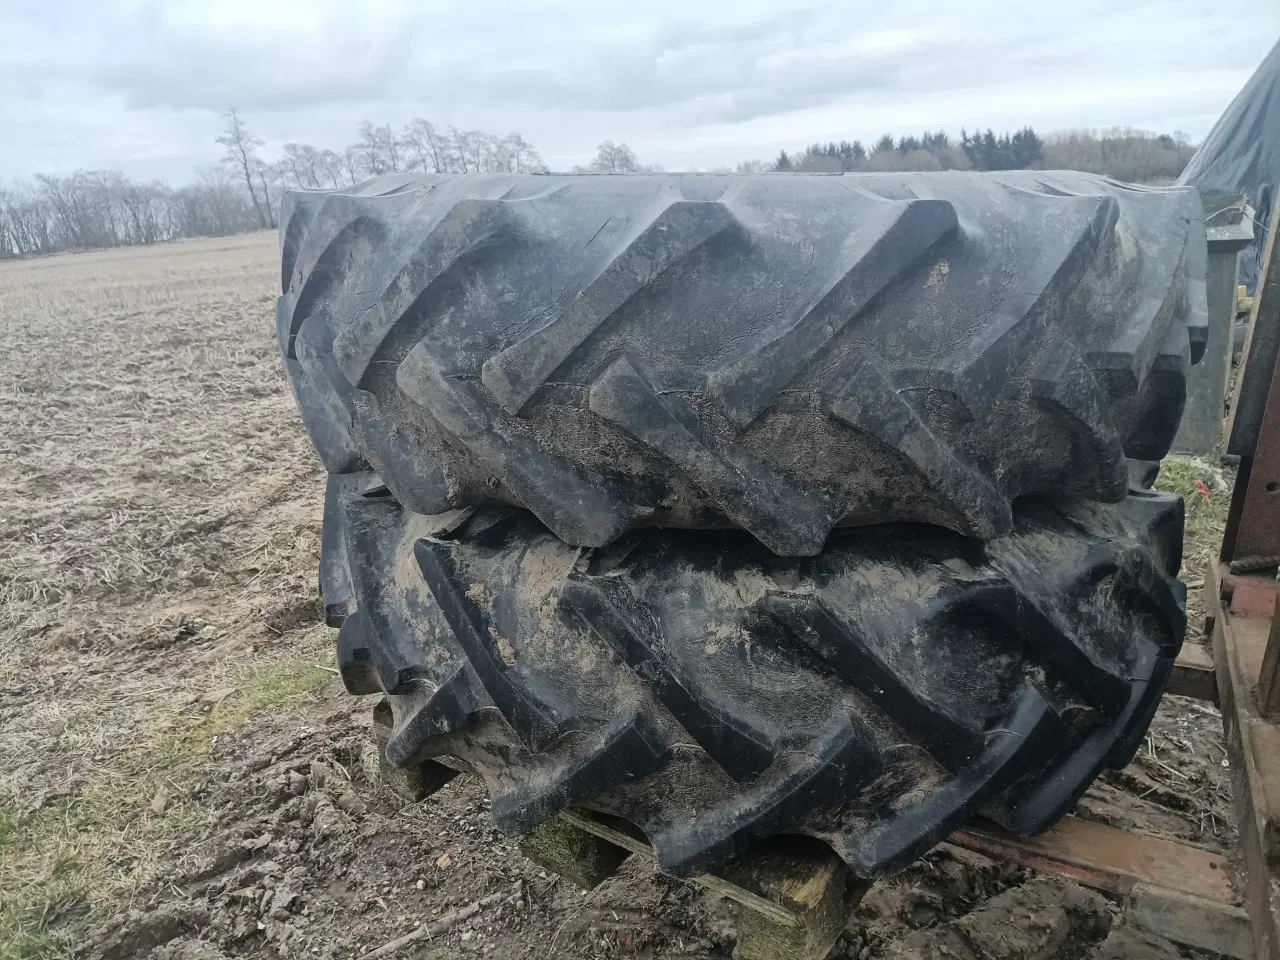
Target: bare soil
181,775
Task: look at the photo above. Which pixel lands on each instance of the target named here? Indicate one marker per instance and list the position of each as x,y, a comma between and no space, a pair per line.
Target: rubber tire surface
712,693
783,354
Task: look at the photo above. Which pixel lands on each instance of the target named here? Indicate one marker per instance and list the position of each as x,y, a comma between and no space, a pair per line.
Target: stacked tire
735,506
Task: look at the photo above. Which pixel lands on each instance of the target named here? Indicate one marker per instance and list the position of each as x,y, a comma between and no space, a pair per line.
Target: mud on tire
782,354
712,693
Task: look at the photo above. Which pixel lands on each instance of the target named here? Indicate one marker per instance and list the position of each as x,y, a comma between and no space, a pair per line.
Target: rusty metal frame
1252,428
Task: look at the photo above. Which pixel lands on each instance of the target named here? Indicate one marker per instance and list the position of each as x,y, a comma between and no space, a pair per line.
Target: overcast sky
139,85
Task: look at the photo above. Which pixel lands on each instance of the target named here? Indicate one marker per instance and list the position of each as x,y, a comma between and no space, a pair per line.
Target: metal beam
1258,362
1269,674
1256,531
1105,858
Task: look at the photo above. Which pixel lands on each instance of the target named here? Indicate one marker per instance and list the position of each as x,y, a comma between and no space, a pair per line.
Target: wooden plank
413,783
580,857
796,894
1105,858
1258,361
1193,674
1253,750
1173,890
1193,921
637,845
797,873
1247,638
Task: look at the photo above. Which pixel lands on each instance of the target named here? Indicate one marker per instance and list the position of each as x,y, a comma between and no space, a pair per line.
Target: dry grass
159,531
1205,518
97,846
139,394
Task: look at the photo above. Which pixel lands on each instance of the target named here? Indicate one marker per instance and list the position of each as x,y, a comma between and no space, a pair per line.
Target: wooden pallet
794,896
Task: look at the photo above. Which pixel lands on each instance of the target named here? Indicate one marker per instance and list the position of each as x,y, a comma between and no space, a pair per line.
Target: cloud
140,84
160,55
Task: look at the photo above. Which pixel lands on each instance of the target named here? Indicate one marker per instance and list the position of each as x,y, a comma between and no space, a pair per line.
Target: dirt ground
181,776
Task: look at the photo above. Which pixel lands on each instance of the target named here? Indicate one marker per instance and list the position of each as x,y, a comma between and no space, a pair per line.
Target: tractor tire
712,693
782,354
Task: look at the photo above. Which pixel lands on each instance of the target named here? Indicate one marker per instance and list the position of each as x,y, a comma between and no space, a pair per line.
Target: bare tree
468,148
103,208
84,210
330,166
428,149
1121,152
219,209
302,165
425,147
520,155
271,181
242,154
379,149
351,164
25,222
614,158
144,209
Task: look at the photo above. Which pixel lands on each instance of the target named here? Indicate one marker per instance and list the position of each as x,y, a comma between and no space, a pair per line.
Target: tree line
1123,153
102,208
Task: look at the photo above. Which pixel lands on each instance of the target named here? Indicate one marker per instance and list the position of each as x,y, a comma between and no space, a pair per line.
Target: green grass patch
1206,519
275,685
21,945
62,864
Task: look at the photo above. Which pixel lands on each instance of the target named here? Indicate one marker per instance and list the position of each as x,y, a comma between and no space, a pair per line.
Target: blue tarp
1241,155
